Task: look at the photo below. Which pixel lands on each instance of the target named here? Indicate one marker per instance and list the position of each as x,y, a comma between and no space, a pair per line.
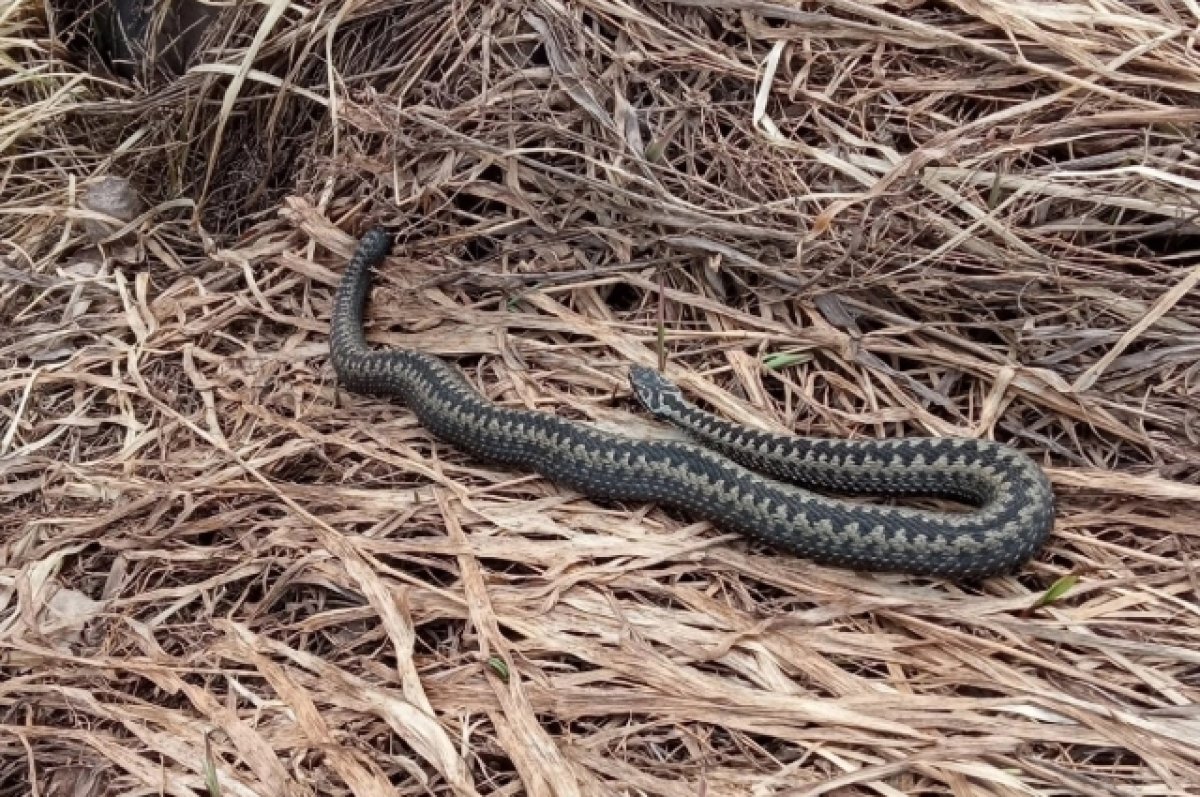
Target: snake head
657,394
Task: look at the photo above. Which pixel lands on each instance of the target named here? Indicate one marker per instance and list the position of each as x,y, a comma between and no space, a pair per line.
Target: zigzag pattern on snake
758,484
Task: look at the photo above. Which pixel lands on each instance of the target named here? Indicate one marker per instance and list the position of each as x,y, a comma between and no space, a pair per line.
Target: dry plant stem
957,219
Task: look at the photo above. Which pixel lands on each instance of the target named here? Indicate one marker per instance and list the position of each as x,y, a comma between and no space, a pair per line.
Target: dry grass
962,217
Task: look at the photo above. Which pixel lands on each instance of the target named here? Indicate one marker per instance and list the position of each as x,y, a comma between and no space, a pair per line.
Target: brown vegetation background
849,218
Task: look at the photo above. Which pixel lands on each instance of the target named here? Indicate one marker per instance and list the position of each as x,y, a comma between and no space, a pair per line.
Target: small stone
112,196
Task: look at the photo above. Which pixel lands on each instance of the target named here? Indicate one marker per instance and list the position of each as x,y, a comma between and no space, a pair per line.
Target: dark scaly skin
1014,516
976,472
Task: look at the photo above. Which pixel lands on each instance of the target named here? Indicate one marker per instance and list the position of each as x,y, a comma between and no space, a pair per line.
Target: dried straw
850,219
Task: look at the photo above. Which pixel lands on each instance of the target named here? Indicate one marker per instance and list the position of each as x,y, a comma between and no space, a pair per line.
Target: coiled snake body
740,479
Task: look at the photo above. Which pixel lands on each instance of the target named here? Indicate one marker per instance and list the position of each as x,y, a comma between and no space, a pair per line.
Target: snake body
740,479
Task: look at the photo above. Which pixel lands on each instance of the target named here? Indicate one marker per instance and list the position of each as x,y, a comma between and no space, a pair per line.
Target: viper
769,487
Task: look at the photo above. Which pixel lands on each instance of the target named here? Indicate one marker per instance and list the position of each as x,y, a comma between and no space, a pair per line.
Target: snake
793,494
